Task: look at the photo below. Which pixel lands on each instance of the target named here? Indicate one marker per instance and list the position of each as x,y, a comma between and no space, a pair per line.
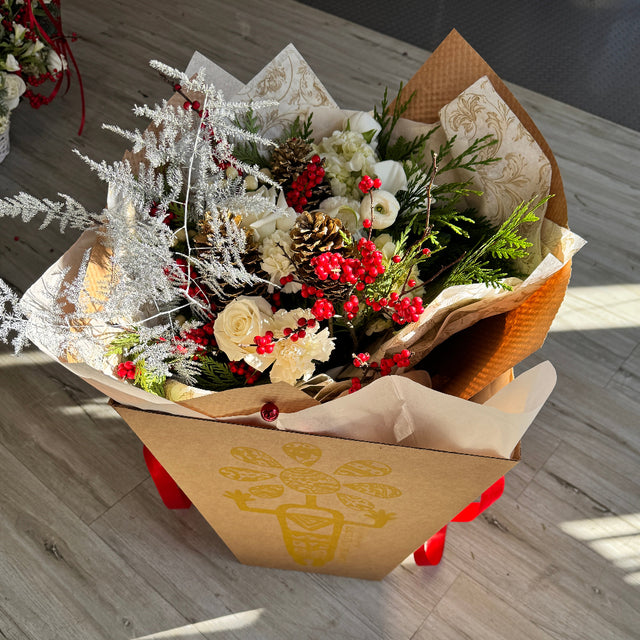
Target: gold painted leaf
353,502
245,475
309,481
306,454
255,456
363,468
267,491
376,489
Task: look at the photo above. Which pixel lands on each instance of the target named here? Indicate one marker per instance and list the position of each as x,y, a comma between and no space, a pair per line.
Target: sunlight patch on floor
615,306
199,630
616,538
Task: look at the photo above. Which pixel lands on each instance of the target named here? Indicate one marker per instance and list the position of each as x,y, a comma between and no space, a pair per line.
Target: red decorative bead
269,412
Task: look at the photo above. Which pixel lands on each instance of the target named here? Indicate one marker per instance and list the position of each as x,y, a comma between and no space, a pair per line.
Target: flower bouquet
271,260
33,51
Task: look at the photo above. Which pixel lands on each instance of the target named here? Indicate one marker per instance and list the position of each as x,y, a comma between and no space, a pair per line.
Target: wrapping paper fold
324,501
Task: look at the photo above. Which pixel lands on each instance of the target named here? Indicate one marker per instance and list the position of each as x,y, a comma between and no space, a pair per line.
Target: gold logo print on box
310,531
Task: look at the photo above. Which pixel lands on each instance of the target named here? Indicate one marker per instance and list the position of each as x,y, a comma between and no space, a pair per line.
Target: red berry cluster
155,209
406,309
323,310
302,187
351,307
371,262
241,368
309,291
264,344
192,290
384,368
201,336
367,183
126,370
297,333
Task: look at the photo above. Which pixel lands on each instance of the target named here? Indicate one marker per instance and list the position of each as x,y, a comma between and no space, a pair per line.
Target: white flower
347,210
177,392
385,208
14,86
364,123
295,360
386,245
275,260
347,158
392,175
34,47
11,64
55,62
18,32
263,211
237,326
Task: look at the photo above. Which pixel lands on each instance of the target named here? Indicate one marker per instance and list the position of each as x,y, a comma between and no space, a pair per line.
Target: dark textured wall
583,52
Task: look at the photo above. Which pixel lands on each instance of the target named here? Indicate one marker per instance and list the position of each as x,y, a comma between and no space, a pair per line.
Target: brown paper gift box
346,507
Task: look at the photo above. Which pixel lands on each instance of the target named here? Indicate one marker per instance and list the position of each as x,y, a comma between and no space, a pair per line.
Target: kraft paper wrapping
524,316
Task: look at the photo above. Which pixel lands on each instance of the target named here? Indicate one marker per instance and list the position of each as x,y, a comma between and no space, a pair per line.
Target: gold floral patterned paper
522,172
289,80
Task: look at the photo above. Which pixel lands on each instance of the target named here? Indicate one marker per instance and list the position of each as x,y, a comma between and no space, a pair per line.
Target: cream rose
177,392
14,86
385,208
237,326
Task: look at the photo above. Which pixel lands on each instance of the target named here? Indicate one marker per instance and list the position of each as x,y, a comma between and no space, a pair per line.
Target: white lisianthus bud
18,32
250,183
386,245
364,123
14,87
384,206
11,64
34,47
392,175
177,392
55,62
344,209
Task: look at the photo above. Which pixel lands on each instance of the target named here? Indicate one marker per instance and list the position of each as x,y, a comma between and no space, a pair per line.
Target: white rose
14,86
237,326
11,64
364,123
55,62
392,175
346,210
385,208
294,360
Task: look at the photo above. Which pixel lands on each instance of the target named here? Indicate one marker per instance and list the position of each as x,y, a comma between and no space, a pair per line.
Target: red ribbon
172,495
430,553
60,45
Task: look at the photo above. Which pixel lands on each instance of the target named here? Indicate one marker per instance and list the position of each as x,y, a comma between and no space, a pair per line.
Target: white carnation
295,360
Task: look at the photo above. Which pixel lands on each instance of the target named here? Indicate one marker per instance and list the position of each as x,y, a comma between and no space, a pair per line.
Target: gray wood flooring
87,549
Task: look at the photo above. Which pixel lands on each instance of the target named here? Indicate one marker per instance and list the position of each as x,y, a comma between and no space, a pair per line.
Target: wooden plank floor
88,551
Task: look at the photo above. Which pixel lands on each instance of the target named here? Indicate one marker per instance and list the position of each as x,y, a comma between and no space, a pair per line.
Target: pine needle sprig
388,116
506,244
215,375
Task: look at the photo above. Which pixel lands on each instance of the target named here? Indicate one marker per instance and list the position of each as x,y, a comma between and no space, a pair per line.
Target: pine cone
319,193
314,233
289,160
